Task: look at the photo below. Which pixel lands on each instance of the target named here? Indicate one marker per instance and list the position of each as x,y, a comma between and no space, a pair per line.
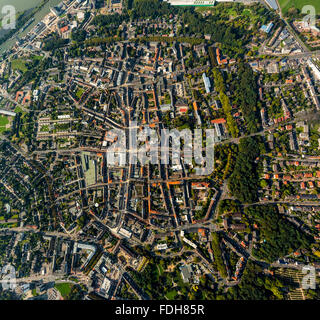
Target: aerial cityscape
160,150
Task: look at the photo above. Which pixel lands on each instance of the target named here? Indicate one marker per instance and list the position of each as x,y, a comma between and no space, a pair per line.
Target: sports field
299,4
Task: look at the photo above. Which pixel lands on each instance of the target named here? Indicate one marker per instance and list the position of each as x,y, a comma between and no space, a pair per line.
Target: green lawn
232,12
2,129
171,294
3,121
247,12
37,58
64,288
18,109
44,128
19,64
299,4
79,93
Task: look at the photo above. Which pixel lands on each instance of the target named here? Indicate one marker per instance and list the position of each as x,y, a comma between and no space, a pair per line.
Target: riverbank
38,13
22,19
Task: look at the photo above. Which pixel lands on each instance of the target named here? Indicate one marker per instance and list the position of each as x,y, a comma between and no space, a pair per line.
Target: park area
4,121
298,4
64,288
19,64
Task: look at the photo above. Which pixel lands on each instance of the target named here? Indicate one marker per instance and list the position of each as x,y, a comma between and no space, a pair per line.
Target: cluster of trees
76,293
218,255
101,41
92,262
224,159
279,236
143,9
229,206
82,221
212,56
155,273
255,285
193,41
183,122
230,35
34,71
244,180
79,35
111,19
108,25
54,42
226,105
247,96
233,36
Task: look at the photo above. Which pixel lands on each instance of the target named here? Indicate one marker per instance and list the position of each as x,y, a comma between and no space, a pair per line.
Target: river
22,5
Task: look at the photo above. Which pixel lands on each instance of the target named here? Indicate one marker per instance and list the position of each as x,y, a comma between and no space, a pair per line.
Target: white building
162,246
125,233
315,68
7,113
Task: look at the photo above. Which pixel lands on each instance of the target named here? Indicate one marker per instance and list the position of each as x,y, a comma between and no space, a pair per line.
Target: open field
4,121
19,64
63,288
299,4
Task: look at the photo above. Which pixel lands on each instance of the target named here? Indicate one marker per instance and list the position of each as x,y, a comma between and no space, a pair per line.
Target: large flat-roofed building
272,4
125,233
7,113
206,82
267,28
315,68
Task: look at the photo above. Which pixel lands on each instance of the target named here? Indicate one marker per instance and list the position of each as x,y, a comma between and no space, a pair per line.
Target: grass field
37,58
3,121
171,294
79,93
19,64
299,4
18,109
64,288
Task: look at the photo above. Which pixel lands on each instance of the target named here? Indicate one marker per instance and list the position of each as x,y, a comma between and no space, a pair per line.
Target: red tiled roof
220,120
64,29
